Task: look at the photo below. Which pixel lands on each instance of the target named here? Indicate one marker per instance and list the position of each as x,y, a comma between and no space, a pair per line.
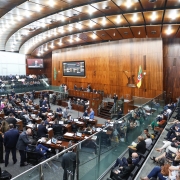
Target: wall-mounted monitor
74,68
35,63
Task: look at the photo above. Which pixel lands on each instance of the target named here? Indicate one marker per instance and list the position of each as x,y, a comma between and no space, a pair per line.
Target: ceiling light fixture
94,36
118,19
153,16
169,30
128,3
135,17
173,14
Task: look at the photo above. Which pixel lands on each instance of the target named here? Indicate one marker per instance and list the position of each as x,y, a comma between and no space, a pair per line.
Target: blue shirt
91,115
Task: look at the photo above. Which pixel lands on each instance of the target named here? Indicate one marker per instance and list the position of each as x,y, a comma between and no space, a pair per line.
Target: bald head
134,155
140,138
29,131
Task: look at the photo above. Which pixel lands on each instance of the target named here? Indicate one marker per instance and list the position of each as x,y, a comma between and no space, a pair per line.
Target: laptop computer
54,140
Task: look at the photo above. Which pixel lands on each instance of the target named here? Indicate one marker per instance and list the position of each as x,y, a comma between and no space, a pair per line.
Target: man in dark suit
21,145
11,119
69,163
10,139
42,131
123,172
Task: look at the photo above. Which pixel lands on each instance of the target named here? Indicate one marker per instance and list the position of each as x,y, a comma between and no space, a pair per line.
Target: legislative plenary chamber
89,89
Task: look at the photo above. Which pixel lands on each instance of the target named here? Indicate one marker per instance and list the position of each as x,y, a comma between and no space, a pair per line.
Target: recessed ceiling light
135,18
139,33
128,3
153,16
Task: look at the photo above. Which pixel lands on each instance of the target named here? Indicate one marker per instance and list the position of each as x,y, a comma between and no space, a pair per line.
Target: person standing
69,163
11,119
10,141
1,145
91,115
22,143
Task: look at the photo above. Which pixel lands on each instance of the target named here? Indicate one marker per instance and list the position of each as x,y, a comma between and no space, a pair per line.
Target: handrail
65,150
57,155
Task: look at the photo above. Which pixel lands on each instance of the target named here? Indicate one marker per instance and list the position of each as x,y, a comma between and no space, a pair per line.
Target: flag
55,73
139,78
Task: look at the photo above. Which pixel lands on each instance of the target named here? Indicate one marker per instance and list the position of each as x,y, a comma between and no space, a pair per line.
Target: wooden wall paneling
106,63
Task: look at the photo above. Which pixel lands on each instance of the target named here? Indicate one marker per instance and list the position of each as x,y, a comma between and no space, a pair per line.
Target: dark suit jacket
69,161
42,131
125,172
23,141
12,121
11,138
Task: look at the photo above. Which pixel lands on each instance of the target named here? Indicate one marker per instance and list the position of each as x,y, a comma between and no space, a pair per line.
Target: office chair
58,131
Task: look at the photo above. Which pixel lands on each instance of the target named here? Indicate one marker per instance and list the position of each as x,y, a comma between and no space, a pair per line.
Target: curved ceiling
38,27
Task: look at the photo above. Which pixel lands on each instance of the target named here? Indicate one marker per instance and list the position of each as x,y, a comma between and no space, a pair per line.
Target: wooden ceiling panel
153,31
113,33
152,17
55,4
104,22
89,37
9,4
103,35
169,31
90,10
118,20
71,40
138,31
30,6
127,6
125,32
172,16
91,24
134,18
173,3
156,5
2,12
178,33
107,7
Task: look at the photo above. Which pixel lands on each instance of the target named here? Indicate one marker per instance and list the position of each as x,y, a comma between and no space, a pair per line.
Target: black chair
150,147
33,157
144,155
140,163
58,131
134,172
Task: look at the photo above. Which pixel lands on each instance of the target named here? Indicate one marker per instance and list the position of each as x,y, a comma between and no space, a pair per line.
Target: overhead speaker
152,1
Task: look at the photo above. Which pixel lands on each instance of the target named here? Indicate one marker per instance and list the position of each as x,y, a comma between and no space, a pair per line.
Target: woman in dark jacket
1,146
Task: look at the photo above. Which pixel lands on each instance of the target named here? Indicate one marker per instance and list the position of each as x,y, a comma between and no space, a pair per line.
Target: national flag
139,78
55,73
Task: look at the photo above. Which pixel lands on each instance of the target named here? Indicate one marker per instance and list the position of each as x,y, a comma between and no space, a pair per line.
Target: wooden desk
72,136
63,145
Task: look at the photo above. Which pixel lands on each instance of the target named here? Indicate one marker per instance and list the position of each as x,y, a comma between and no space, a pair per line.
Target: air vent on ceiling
107,7
153,32
152,1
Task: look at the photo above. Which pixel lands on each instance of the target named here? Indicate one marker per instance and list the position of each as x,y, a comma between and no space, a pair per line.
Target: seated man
59,110
148,140
139,148
123,162
173,132
11,119
124,171
85,113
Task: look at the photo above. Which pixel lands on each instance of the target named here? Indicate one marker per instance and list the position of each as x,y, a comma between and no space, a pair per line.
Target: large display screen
74,68
35,63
